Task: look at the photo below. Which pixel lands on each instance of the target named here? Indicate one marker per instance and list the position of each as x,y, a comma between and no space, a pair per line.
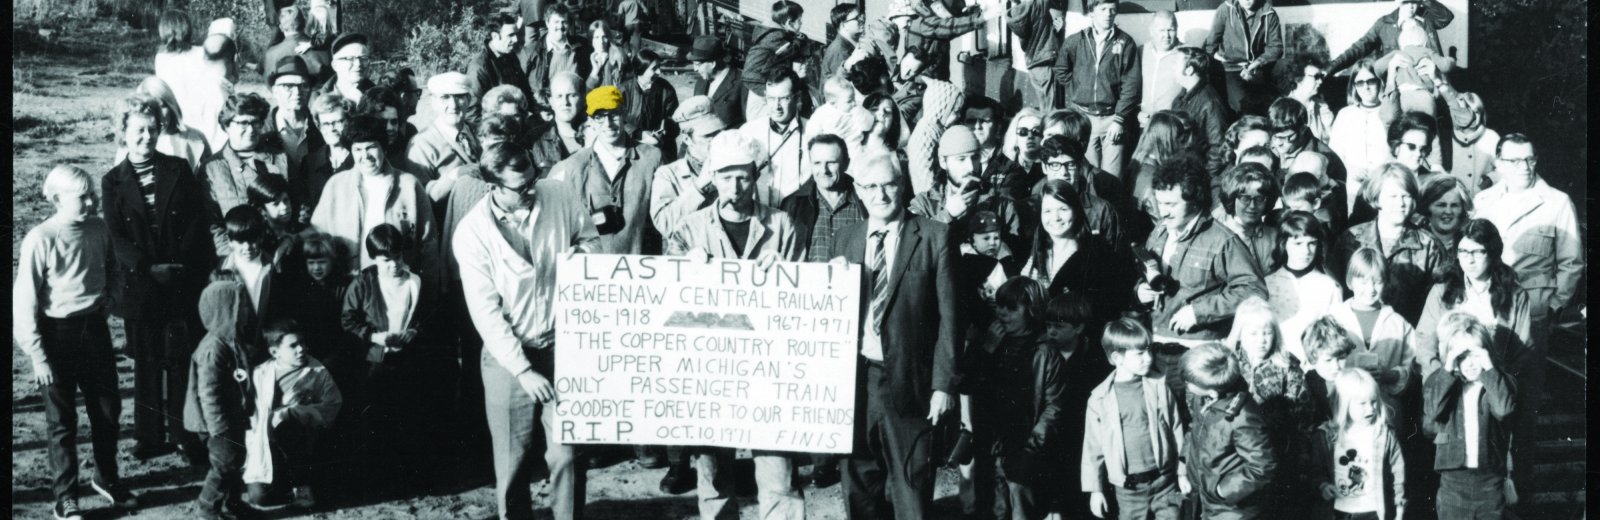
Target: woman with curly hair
1300,78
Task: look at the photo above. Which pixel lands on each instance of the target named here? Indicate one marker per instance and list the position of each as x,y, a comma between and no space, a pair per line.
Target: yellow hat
606,97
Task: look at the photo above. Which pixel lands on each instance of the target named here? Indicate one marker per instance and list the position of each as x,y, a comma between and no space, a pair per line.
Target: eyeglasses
520,191
1423,148
1472,253
1029,132
1057,166
353,59
1525,161
1318,76
1251,199
887,187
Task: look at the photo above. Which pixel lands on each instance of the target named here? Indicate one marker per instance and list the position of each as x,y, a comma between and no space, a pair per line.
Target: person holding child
1133,432
296,401
65,275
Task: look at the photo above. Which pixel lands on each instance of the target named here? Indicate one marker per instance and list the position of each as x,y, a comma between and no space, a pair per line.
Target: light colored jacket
310,398
770,230
674,194
408,208
227,179
1389,346
1102,437
1518,324
1543,244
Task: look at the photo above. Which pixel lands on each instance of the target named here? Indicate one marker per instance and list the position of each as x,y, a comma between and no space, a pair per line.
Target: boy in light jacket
1132,432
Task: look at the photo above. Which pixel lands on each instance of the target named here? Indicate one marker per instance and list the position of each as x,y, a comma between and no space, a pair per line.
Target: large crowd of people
1171,283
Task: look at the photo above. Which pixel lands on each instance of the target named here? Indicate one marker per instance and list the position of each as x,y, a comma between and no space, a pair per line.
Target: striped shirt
147,187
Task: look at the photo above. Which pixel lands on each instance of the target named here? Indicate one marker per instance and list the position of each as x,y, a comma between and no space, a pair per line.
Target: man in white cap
962,194
684,186
737,226
447,144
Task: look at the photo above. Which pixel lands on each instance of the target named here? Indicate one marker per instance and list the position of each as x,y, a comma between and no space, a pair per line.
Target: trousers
517,426
79,353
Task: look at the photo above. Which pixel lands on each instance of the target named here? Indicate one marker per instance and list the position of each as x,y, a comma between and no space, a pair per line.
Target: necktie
879,279
469,146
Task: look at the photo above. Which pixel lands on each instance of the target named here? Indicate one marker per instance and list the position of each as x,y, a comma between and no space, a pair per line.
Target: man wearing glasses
1542,243
781,134
906,373
1291,134
846,19
502,246
613,178
350,60
229,173
439,152
289,124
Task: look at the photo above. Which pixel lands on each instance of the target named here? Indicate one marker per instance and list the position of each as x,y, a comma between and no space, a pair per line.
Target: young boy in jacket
1132,433
1465,409
1227,452
297,402
219,398
59,308
1098,69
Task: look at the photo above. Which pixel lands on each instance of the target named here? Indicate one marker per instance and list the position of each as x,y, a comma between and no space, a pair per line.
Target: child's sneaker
303,498
67,509
119,495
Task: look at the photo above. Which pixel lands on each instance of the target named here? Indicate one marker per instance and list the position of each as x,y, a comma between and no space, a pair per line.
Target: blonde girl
1361,453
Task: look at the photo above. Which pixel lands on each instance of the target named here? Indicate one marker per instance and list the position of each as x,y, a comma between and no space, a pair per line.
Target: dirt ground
65,89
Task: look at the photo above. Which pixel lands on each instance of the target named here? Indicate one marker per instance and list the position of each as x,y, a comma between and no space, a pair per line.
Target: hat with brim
705,48
346,39
449,83
732,150
290,66
695,117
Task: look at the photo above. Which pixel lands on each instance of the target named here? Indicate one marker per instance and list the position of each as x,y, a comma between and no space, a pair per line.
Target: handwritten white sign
664,350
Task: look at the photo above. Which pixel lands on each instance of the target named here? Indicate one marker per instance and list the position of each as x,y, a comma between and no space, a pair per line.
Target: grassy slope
64,98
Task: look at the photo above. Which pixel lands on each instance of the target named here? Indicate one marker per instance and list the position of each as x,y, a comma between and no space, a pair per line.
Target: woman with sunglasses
1300,79
1358,132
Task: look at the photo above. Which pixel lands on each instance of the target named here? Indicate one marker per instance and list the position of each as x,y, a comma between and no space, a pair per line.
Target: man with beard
962,195
439,152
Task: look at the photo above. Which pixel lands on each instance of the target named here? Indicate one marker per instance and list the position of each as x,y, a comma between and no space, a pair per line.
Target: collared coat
1229,456
1107,85
228,189
179,232
220,395
729,99
489,70
1542,239
1103,450
920,319
1414,263
407,207
1443,412
770,230
1215,272
630,191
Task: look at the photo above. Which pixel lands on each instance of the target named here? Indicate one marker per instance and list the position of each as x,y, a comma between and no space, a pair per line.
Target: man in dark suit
718,80
906,380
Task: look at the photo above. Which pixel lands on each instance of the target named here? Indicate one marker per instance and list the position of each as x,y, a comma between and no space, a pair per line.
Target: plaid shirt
818,221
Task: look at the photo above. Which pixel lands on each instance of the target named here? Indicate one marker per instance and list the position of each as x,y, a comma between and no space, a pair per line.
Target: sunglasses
1424,148
1318,76
1365,82
1029,132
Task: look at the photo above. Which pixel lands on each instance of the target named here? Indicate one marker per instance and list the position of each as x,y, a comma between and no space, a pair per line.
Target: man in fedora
289,125
718,80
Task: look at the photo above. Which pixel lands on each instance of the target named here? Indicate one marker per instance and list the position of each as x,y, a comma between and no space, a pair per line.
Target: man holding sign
738,227
507,247
908,336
